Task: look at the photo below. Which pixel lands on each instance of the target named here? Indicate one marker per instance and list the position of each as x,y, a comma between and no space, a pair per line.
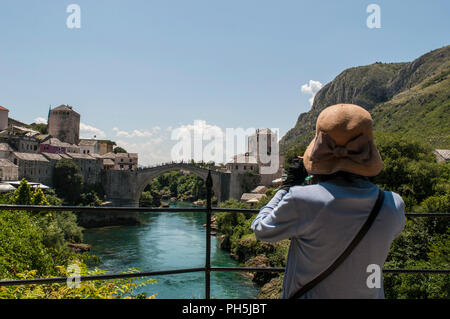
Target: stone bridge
124,188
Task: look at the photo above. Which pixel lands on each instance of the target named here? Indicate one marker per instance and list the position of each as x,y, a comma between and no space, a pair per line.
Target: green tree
67,180
119,149
39,198
409,168
23,194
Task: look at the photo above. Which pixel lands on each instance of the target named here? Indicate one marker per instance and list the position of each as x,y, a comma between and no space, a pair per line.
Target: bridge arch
124,188
145,176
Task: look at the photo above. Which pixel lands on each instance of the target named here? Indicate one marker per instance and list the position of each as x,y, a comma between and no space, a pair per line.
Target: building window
237,167
245,167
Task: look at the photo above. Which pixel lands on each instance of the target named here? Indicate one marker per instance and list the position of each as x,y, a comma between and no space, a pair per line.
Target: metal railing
207,269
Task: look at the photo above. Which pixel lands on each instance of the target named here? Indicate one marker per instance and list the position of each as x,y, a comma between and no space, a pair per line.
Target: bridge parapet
124,188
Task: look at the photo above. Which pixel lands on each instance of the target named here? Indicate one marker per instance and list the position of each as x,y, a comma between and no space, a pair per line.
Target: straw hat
343,142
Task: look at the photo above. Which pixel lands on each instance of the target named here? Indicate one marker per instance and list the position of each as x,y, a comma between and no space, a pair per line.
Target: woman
323,219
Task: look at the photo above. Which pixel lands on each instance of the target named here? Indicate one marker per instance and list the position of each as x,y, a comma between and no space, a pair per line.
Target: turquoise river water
166,241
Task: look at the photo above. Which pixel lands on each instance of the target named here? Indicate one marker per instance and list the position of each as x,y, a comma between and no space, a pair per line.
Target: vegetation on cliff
408,98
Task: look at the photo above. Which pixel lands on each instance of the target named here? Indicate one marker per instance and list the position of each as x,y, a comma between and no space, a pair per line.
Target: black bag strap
373,214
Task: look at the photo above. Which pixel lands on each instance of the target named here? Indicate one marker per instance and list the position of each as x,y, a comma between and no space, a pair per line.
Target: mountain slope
410,98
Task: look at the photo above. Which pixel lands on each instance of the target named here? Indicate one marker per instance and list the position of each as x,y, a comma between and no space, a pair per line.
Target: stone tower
64,124
3,118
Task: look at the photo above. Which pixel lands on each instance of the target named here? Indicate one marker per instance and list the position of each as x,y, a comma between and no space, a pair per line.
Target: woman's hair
346,176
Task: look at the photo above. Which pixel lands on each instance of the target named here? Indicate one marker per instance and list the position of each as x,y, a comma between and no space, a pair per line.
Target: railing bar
187,270
275,269
266,269
208,237
100,209
98,277
160,209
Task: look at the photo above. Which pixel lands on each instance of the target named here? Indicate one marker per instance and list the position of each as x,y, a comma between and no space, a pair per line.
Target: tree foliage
119,149
67,180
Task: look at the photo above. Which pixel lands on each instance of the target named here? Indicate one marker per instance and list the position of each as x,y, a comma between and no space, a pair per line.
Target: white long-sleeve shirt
321,220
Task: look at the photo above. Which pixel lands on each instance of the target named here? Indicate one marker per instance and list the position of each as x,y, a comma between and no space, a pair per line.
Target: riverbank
169,241
236,237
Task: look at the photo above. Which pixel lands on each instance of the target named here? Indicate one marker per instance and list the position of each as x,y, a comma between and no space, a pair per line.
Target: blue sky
136,68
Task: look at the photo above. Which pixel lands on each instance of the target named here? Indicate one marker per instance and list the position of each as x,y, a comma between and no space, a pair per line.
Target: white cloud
312,88
151,150
40,120
135,133
87,131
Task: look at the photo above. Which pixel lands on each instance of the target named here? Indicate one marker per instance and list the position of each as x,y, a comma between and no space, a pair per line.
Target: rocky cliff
410,98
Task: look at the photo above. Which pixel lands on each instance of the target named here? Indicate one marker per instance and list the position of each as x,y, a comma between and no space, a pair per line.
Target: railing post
209,185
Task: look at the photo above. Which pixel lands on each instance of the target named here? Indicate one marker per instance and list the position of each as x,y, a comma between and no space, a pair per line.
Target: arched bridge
124,188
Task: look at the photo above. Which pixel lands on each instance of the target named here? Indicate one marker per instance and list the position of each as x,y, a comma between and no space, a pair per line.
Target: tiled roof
126,155
42,137
444,153
2,108
109,155
243,159
52,156
5,147
108,161
56,142
81,156
4,163
248,196
87,142
260,190
30,156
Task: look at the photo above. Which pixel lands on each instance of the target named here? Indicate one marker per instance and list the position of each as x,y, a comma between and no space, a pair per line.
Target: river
166,241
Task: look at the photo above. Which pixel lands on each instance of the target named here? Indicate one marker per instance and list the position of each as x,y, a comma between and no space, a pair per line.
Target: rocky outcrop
273,289
370,87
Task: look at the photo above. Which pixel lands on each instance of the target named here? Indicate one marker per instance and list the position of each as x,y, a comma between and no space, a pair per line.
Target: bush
104,289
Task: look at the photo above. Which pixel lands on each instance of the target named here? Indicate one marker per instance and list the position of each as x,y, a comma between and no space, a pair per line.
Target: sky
137,70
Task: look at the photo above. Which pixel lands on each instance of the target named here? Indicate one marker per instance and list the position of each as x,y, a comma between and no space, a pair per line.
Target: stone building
90,167
262,158
55,146
20,142
105,146
88,146
5,150
120,161
33,167
64,124
243,163
8,170
3,118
